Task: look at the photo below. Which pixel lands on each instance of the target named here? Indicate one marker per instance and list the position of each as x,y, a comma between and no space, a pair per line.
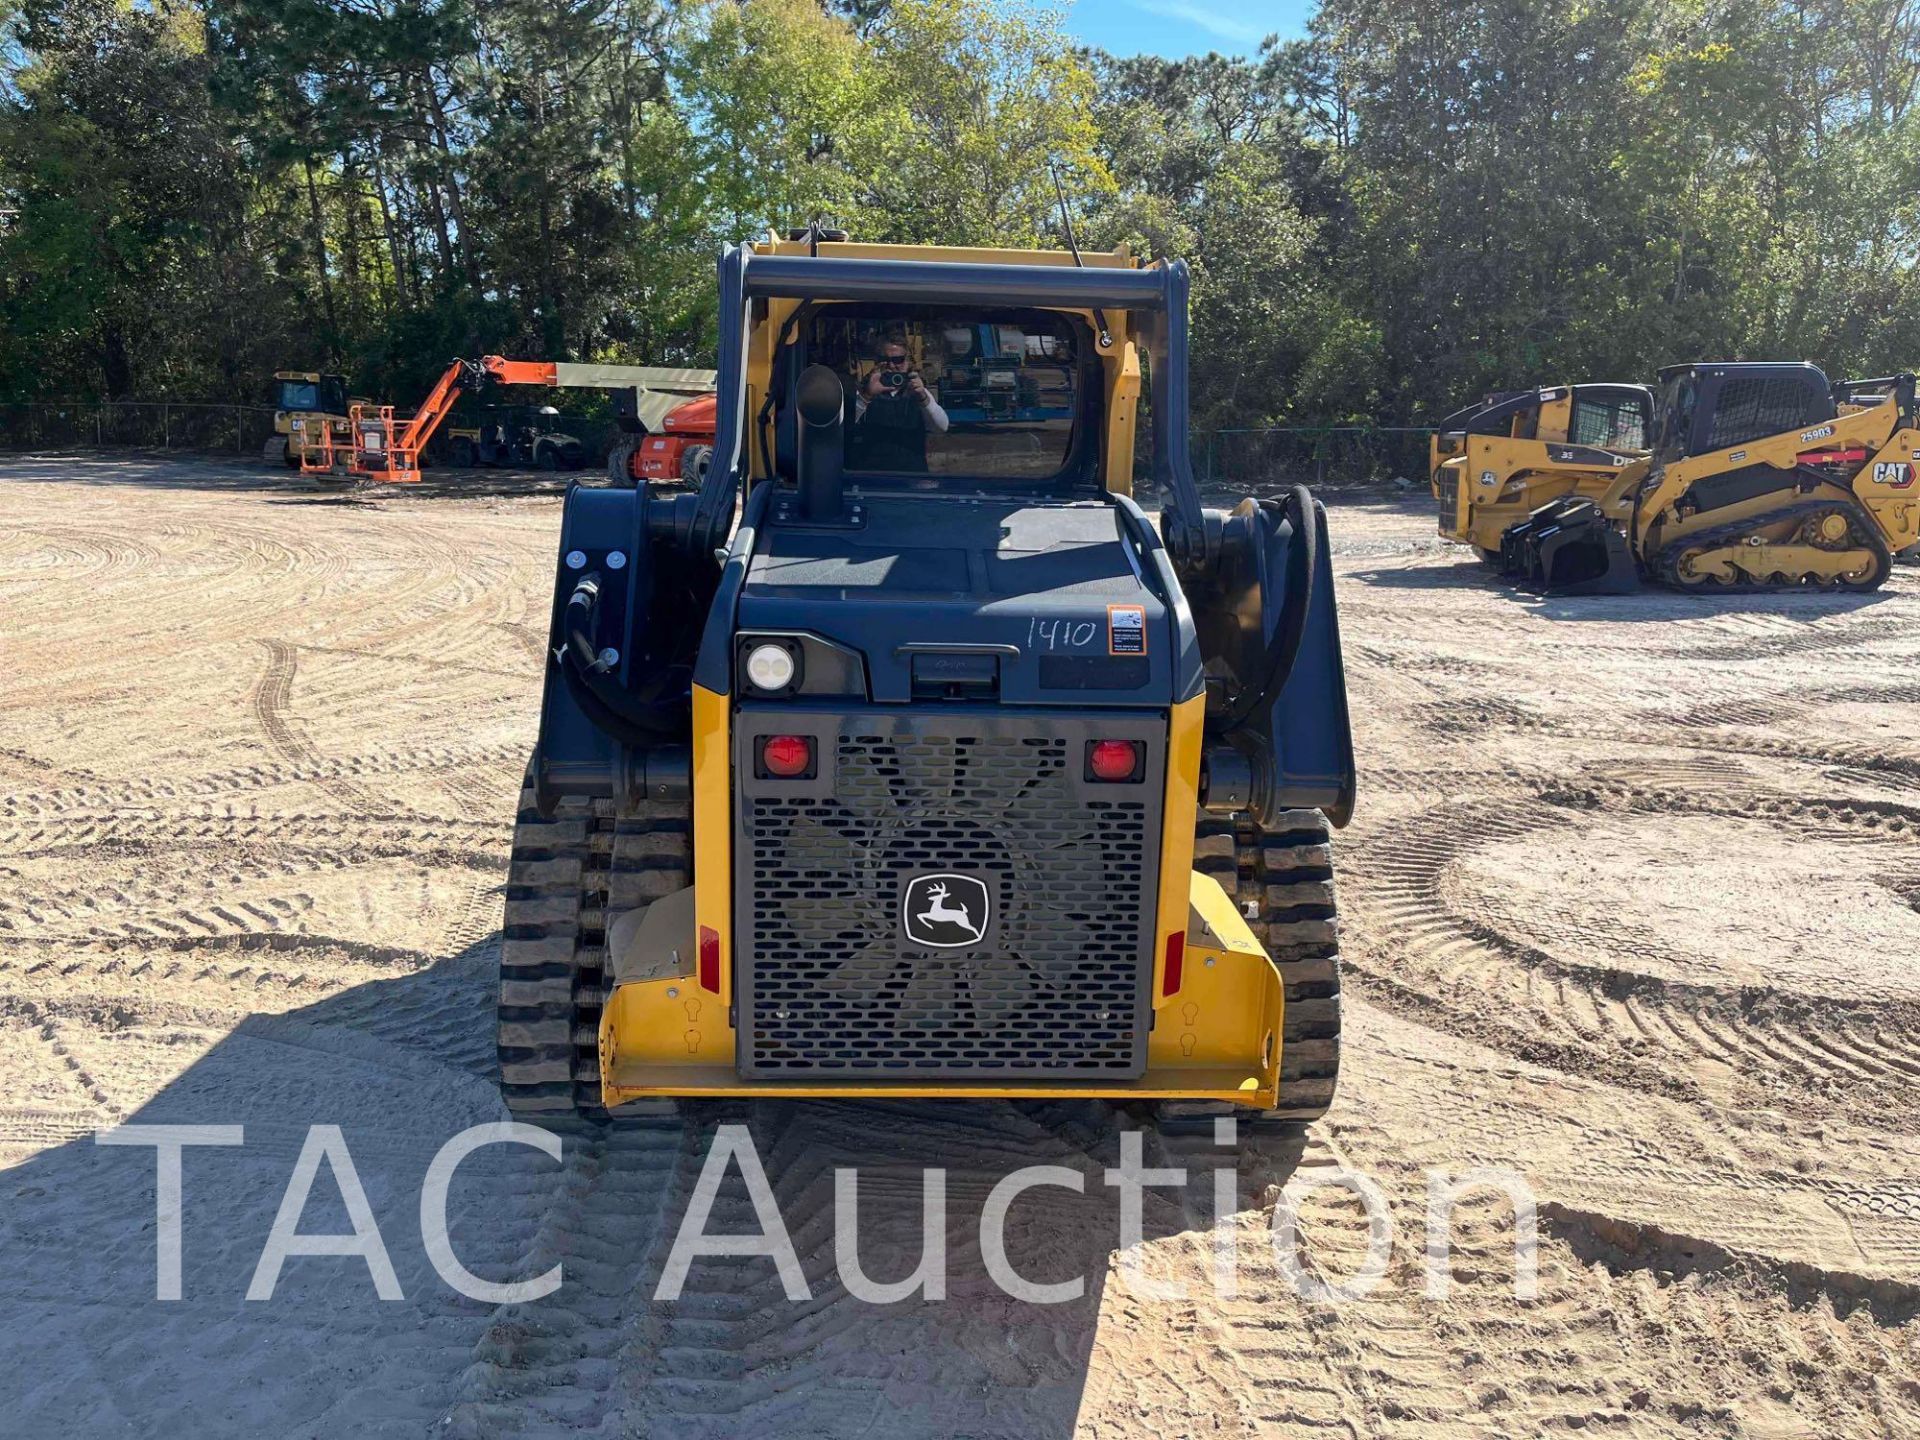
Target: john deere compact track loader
1764,476
893,784
1494,466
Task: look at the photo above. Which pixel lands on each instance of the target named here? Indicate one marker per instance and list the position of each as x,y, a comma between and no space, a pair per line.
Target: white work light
770,667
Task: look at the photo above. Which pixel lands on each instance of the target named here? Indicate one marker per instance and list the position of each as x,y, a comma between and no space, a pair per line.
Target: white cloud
1204,17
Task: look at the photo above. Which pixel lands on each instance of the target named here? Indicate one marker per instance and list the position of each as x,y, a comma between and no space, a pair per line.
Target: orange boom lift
388,448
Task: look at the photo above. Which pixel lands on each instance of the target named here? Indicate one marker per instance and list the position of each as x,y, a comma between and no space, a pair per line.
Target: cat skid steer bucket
1570,547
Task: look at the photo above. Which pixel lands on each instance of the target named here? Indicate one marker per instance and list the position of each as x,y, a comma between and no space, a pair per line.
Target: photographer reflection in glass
893,411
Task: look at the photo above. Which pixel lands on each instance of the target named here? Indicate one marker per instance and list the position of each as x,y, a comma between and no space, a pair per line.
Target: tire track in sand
272,702
732,1355
553,1364
1463,974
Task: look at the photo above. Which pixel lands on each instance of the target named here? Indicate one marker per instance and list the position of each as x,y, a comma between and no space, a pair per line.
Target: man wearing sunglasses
892,414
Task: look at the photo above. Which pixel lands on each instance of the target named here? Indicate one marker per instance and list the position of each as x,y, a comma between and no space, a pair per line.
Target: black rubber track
569,875
1862,529
1281,879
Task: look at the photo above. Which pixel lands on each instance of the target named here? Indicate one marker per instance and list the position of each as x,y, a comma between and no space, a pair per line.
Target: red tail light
710,959
1113,760
786,756
1176,961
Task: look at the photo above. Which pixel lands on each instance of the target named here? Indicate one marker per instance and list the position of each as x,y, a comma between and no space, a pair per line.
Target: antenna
815,233
1066,224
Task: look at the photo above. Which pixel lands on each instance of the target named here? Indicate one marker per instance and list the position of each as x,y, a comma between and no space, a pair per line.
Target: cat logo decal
1894,474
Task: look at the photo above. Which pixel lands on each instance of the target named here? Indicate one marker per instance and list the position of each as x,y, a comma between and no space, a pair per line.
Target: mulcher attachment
1569,547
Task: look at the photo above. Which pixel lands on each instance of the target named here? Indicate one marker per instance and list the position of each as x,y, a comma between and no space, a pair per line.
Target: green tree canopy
1411,205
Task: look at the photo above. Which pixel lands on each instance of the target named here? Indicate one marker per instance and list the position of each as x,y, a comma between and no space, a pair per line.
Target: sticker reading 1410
1126,629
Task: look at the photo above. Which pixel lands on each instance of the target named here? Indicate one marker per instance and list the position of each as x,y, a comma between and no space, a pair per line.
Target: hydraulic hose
635,719
1283,646
582,610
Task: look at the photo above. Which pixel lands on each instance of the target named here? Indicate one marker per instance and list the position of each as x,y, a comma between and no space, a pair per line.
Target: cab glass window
1676,411
299,395
1613,423
964,394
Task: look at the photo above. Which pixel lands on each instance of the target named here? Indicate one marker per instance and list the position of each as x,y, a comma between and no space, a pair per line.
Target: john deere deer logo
945,911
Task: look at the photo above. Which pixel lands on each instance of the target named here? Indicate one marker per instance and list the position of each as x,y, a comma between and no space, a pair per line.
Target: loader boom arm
569,375
1867,428
388,448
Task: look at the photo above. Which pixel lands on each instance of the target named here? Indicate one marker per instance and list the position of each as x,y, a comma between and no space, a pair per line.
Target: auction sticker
1126,629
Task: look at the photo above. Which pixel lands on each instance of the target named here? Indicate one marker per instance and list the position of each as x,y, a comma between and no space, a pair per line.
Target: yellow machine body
1543,448
1882,488
729,879
1218,1029
1218,1025
308,427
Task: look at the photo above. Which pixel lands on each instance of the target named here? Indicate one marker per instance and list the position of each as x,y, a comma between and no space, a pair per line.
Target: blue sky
1185,27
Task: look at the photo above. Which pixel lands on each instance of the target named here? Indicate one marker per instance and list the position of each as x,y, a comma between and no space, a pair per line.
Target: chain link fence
1252,458
149,424
212,428
1273,456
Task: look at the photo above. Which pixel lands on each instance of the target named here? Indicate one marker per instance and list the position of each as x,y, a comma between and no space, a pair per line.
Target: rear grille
1449,498
830,984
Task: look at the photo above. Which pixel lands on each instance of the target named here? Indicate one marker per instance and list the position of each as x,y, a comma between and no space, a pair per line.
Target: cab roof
1119,258
1744,367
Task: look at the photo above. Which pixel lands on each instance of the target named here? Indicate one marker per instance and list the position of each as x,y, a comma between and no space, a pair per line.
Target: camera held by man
893,413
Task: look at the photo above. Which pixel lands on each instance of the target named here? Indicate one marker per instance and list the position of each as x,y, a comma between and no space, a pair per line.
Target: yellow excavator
1495,464
1763,476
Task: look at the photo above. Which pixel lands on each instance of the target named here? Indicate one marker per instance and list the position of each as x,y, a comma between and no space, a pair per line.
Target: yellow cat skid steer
1765,476
944,769
1496,466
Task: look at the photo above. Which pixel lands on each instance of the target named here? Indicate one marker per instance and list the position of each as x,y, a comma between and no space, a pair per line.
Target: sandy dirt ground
1631,907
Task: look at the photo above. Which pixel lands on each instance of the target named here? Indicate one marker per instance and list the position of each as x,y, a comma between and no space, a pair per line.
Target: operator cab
1602,416
312,394
1705,408
960,394
961,542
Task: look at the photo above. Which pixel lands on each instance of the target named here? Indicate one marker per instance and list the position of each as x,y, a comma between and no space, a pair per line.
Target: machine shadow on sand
1650,604
229,475
395,1064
